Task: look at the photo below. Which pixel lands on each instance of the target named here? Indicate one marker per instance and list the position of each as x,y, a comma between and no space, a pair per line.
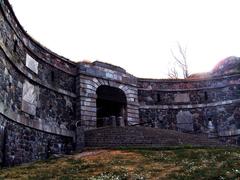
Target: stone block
185,121
105,121
28,108
32,64
113,122
29,98
120,121
80,139
29,93
181,98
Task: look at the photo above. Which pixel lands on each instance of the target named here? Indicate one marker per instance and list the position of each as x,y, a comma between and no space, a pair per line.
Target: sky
137,35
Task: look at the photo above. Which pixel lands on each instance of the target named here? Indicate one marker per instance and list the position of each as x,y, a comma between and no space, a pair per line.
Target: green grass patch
136,164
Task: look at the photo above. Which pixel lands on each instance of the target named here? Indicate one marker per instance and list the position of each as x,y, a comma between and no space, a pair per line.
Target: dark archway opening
111,106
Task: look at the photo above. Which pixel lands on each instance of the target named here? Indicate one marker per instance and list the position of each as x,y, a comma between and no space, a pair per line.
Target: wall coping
6,2
7,5
186,80
187,90
229,133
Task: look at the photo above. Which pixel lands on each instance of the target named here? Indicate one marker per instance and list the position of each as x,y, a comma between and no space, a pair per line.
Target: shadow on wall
2,143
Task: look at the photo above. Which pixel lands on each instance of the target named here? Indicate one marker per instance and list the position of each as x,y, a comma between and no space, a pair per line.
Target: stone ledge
84,75
14,24
143,136
37,123
184,80
190,89
229,133
220,103
25,72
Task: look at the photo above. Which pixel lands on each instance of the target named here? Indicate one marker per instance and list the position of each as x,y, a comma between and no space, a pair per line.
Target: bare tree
172,73
180,57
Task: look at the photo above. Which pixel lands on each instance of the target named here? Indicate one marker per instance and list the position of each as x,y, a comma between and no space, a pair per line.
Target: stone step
144,137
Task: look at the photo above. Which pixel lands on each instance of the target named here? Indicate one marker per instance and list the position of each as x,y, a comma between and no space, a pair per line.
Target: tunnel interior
111,103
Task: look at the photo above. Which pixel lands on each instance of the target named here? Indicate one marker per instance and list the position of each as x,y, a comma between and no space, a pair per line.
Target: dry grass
134,164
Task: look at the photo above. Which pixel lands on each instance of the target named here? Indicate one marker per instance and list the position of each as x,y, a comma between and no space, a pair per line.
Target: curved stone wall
46,91
163,92
37,97
190,105
44,96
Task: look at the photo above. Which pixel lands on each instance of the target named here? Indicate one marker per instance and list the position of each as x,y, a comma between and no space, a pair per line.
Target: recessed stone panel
29,98
185,121
183,97
32,64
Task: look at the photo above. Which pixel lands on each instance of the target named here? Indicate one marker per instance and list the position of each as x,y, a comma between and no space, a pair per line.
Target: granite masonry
51,105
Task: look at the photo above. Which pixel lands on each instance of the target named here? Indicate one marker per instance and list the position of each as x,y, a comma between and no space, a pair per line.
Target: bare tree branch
172,73
180,60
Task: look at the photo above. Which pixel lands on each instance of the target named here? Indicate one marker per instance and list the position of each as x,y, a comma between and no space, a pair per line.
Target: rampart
44,97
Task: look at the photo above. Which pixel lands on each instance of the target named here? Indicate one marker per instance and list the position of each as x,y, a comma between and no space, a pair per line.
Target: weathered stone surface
32,64
88,87
60,93
23,144
185,121
20,89
181,98
80,141
143,137
29,98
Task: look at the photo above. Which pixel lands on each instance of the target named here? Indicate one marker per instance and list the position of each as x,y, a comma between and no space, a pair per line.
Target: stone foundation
22,144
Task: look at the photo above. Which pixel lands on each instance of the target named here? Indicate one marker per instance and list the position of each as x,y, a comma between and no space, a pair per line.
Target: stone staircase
144,137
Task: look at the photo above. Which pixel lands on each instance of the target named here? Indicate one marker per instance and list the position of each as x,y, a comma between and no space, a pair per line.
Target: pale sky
135,34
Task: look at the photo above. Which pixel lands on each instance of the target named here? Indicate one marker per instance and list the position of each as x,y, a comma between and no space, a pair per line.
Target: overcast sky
135,34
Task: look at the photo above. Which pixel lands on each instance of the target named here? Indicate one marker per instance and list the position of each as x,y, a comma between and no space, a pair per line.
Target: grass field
179,163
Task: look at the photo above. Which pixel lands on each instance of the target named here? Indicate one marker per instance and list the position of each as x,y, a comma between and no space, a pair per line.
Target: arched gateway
107,94
111,106
44,96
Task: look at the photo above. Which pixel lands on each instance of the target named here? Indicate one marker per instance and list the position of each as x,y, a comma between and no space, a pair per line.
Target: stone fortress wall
37,94
191,105
44,97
